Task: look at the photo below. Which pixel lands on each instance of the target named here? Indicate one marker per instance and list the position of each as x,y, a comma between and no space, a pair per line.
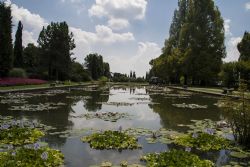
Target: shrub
239,117
18,73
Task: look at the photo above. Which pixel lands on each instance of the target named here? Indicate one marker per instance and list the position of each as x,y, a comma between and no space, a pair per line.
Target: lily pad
111,140
175,158
19,136
25,157
106,116
191,106
203,141
116,103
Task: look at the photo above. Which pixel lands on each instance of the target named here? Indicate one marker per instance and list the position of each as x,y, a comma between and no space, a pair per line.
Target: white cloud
103,36
119,9
146,51
32,23
231,42
232,51
118,24
227,27
28,37
247,6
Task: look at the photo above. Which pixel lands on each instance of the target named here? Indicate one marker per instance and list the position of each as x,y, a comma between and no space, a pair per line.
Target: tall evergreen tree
18,47
6,47
195,46
56,42
244,47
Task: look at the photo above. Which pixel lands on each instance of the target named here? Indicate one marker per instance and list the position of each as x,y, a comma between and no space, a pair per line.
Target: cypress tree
244,47
18,47
6,46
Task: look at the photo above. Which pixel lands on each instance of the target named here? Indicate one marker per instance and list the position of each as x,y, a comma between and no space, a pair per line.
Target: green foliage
31,59
244,47
229,74
28,157
111,140
195,46
103,79
239,117
78,73
19,136
175,158
18,47
18,73
96,66
203,141
56,43
6,56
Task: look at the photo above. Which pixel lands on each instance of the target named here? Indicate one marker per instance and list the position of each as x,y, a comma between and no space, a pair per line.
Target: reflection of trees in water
132,90
172,116
96,96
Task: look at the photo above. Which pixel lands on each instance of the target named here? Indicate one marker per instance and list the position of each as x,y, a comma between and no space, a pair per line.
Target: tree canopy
195,46
6,53
56,44
18,47
96,66
244,47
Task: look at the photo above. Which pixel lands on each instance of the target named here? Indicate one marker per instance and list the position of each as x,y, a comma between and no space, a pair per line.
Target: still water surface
150,110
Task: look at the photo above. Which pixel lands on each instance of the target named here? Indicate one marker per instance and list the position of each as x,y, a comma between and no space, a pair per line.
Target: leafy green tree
106,70
134,75
244,47
96,66
229,74
195,46
18,47
78,73
56,43
6,47
31,59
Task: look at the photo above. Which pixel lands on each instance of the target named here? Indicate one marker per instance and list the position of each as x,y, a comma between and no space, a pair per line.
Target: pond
74,112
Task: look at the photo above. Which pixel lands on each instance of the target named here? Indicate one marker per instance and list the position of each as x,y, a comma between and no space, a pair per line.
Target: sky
127,33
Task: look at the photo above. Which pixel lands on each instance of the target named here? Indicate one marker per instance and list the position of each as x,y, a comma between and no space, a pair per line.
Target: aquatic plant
239,117
203,141
29,157
106,116
111,140
116,103
37,107
175,158
191,106
19,136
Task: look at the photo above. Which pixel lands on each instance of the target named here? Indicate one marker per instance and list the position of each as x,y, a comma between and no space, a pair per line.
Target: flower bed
20,81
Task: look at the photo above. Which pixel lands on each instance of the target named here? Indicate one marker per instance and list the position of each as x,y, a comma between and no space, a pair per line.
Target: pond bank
209,91
44,87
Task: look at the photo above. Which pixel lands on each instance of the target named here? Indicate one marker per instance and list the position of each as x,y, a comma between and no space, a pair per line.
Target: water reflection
151,116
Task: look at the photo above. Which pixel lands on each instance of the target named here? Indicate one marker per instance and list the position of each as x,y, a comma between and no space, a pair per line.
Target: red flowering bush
20,81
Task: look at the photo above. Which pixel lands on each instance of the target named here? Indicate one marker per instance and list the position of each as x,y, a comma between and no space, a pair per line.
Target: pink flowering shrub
20,81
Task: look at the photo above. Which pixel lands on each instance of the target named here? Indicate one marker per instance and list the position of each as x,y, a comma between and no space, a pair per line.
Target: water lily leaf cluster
179,96
175,158
37,107
29,157
191,106
111,140
153,136
122,164
106,116
203,141
116,103
220,128
19,136
79,97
